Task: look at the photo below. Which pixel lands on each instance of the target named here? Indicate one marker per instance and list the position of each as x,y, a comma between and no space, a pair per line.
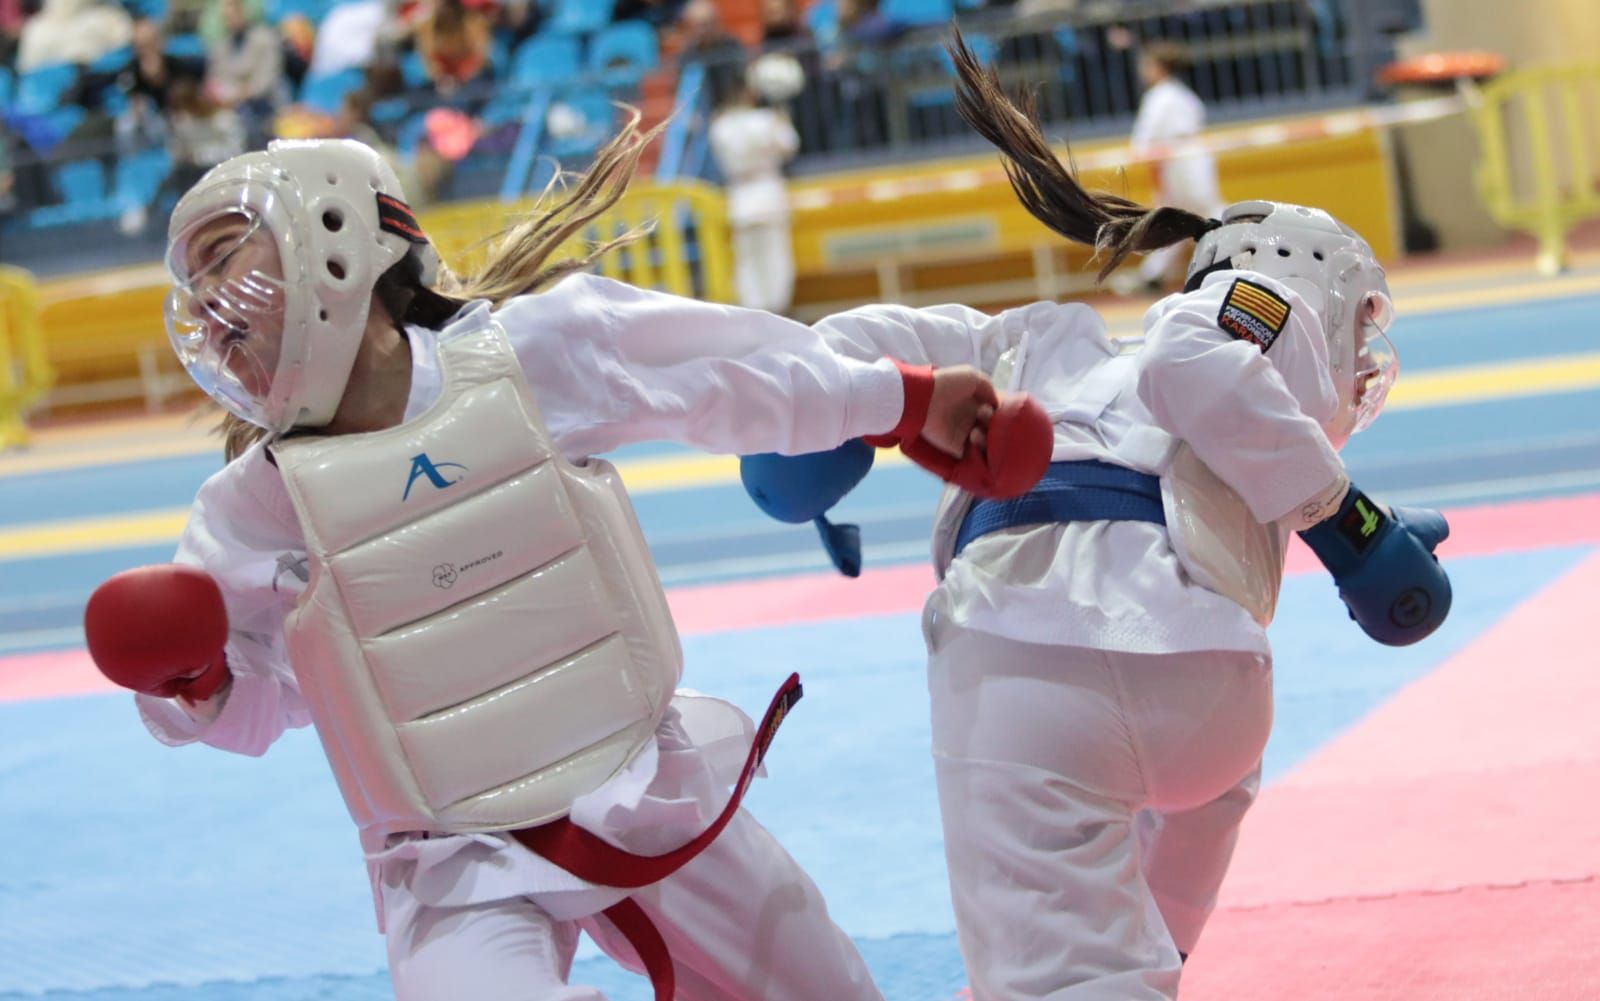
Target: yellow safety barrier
25,373
685,251
1538,172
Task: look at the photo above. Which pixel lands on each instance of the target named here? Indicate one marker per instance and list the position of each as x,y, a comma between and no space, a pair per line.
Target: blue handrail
681,130
530,135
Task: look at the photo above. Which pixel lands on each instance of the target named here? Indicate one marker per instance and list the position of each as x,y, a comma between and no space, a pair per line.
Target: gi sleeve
611,365
1239,370
243,532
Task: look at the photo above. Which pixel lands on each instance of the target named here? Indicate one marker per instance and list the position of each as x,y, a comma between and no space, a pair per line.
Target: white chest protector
1217,540
483,637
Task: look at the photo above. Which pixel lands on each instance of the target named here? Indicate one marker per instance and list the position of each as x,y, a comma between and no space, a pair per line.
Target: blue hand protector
1384,566
802,488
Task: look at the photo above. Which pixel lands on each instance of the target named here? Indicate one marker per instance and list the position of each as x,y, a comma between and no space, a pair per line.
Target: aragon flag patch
1253,313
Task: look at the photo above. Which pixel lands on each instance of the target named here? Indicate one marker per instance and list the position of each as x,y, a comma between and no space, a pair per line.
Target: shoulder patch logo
1253,313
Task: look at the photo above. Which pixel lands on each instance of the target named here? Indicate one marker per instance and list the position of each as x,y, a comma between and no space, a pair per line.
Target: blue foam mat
135,865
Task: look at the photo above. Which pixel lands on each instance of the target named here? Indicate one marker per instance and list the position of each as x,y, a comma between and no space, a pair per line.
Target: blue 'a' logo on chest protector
425,468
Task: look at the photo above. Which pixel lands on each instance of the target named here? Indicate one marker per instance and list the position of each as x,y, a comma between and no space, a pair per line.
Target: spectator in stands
354,121
148,83
1170,112
299,39
245,69
12,15
72,31
8,177
783,26
750,145
706,41
454,43
149,78
201,133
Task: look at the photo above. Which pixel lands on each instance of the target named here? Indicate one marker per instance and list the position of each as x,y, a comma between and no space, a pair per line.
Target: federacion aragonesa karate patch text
1253,313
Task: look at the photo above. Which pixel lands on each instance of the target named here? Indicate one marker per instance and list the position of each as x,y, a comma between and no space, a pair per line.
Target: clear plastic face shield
225,314
1376,363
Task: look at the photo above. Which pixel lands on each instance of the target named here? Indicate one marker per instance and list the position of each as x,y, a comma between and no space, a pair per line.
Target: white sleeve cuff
877,398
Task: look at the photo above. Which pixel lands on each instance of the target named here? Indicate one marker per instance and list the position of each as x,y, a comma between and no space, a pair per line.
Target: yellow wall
983,230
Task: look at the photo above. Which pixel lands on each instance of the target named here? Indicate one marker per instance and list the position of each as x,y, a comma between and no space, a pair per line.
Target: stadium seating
623,53
579,17
325,93
546,58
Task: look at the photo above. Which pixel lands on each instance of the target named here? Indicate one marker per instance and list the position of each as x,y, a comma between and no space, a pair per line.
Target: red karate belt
590,858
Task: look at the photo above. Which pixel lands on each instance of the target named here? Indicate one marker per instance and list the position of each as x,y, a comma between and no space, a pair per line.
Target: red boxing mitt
1019,441
160,630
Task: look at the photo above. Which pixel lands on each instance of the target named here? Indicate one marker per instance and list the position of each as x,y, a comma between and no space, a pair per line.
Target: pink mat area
890,590
1529,943
1447,846
1479,531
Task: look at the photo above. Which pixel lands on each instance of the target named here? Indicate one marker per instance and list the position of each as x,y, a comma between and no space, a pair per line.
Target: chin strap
1226,264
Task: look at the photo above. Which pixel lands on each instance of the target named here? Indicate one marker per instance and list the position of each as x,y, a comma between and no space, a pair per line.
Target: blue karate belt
1085,490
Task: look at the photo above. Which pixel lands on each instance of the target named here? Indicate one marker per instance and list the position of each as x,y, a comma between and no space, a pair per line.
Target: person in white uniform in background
1098,667
750,143
1169,112
411,549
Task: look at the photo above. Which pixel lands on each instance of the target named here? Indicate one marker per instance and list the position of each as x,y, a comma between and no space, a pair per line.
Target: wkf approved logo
423,467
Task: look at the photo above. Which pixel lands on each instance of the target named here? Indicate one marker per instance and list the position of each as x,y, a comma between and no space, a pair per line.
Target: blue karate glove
801,488
1384,566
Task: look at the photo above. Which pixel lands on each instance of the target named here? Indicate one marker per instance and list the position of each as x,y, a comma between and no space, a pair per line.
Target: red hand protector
1019,441
160,630
917,382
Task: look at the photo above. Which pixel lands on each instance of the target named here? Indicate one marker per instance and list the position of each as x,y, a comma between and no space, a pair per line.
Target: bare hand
962,403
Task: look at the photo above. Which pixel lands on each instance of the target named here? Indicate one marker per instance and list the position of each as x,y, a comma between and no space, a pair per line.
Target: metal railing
1540,167
1248,58
25,373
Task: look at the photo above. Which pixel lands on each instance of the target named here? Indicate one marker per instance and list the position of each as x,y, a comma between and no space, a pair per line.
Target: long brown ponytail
1048,188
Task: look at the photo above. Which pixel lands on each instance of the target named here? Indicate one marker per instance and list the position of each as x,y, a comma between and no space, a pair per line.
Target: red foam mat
1535,942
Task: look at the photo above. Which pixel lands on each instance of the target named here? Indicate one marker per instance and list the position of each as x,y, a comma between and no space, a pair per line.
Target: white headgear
337,215
1334,270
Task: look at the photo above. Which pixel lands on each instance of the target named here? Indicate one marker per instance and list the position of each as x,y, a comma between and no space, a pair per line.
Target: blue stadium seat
311,10
910,61
625,51
325,93
139,176
185,47
40,90
81,182
390,110
822,20
579,17
411,133
546,58
114,61
82,186
598,116
43,131
499,57
412,71
8,86
918,11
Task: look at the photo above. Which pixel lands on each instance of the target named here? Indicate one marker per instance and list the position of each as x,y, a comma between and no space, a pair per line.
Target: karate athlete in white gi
1169,113
418,557
1098,662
